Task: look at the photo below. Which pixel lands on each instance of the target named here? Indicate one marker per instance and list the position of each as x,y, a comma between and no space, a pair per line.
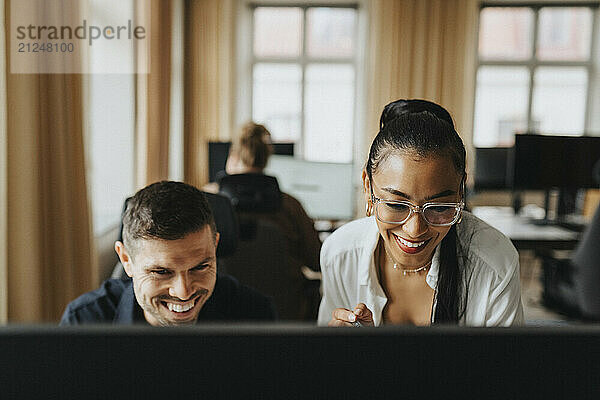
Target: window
303,76
534,73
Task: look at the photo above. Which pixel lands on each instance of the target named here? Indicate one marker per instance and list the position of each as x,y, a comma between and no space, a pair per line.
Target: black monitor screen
491,168
542,162
300,362
217,158
219,151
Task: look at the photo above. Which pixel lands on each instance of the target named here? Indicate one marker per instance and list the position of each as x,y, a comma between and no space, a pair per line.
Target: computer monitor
492,168
299,362
543,162
566,163
325,190
219,151
217,158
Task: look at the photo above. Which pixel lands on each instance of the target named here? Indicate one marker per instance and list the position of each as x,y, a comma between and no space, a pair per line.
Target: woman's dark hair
399,107
426,129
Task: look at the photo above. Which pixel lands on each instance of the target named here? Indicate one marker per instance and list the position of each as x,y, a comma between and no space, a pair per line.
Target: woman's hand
345,317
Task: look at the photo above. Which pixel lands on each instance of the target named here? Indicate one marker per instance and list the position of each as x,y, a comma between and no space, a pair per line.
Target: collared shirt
114,303
494,290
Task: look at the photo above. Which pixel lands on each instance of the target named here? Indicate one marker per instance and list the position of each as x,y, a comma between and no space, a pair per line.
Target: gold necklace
405,270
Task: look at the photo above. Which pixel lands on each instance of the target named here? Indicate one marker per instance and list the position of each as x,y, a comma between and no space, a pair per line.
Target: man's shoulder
97,306
236,301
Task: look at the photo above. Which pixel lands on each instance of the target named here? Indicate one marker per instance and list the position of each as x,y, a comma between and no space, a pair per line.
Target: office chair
572,286
263,259
251,192
251,195
587,277
225,220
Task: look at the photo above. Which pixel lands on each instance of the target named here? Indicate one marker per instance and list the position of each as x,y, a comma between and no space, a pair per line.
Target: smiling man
169,252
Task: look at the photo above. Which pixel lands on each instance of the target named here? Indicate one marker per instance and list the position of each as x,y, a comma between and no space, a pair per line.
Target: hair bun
255,132
253,146
412,106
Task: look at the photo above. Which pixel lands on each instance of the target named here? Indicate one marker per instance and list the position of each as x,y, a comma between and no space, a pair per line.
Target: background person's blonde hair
253,145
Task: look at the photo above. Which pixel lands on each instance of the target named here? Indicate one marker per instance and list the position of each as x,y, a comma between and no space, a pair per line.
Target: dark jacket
114,303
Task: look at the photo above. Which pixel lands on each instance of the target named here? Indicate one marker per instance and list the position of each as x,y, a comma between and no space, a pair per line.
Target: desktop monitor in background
544,162
283,149
219,151
492,168
217,158
324,189
566,163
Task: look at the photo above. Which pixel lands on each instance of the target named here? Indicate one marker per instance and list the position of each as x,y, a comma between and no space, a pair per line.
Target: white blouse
349,276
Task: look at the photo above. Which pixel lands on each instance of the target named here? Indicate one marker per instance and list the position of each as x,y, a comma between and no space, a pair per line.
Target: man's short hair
166,210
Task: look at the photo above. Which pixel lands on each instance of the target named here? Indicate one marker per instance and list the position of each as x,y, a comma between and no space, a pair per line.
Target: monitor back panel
275,361
544,162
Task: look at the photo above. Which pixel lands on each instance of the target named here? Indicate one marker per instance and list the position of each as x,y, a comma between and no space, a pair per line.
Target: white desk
523,233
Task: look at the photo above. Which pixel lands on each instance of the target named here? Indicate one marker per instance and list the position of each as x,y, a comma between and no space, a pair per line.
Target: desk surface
523,233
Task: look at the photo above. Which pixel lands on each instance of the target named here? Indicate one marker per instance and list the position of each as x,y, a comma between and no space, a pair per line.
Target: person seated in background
169,252
418,258
248,157
249,154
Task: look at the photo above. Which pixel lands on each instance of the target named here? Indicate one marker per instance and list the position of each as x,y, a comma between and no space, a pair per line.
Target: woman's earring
368,210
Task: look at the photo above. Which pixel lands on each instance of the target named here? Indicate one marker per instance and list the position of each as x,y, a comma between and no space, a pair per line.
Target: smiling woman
418,258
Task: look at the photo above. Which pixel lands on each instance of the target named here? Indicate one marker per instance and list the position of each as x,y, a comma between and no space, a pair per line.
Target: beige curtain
48,222
423,49
153,97
209,50
3,213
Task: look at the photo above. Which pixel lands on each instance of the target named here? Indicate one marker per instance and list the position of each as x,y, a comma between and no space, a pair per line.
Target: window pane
330,32
505,33
559,96
564,33
329,112
277,99
500,105
277,32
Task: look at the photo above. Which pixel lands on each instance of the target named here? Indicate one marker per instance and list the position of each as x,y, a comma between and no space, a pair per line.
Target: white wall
176,164
594,111
110,147
110,125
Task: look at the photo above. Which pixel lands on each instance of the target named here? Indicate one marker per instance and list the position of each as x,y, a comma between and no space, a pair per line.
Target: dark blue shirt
114,303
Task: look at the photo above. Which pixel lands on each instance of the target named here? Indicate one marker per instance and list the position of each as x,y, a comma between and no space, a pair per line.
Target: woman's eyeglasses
399,211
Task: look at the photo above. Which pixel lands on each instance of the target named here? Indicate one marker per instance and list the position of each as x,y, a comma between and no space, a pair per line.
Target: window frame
533,62
246,82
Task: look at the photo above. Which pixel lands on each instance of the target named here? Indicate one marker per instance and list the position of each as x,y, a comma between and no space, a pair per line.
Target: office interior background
316,73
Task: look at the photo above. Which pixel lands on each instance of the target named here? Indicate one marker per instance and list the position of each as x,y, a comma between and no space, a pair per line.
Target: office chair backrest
596,173
251,195
251,192
226,222
586,260
120,237
264,263
263,259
